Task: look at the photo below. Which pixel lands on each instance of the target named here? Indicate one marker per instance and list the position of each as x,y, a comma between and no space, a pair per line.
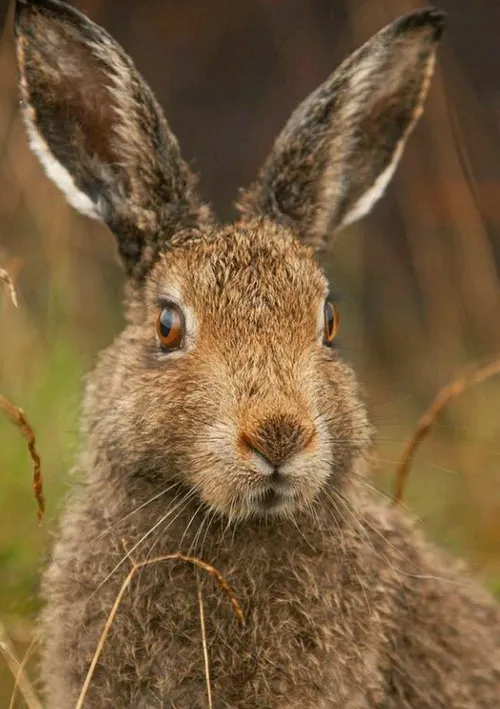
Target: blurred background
417,281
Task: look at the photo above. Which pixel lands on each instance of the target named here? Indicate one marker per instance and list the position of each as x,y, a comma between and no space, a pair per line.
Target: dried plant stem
102,639
204,643
445,395
126,583
21,673
17,668
18,418
6,279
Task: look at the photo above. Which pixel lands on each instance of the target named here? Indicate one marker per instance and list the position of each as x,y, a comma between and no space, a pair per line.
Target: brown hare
221,422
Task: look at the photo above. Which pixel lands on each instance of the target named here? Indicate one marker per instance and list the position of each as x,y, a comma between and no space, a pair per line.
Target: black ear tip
51,5
27,12
41,3
23,12
429,17
22,5
25,6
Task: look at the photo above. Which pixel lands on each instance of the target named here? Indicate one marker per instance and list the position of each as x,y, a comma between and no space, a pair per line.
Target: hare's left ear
99,132
340,148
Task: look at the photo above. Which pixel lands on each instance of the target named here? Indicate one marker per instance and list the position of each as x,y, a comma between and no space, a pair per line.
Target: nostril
250,445
268,458
277,440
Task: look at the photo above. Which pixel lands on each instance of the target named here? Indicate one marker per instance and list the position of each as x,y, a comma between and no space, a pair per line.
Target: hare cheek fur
246,444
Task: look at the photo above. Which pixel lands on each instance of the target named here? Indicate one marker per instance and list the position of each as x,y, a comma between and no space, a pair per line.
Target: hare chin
269,501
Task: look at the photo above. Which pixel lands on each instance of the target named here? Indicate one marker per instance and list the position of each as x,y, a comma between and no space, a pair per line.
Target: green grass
51,401
51,405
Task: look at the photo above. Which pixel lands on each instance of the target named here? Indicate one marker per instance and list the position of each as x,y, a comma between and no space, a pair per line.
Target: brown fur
248,446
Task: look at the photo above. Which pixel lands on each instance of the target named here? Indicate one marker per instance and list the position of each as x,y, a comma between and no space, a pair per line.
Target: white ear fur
332,189
57,173
368,200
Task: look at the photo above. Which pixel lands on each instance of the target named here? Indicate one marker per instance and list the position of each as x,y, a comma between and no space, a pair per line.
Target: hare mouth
272,497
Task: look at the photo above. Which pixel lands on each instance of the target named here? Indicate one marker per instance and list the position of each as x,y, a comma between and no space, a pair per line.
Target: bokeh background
417,280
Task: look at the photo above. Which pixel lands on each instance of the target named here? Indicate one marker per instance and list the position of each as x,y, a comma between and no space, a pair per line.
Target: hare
221,423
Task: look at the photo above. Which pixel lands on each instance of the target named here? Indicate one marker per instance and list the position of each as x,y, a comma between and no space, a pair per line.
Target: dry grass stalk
6,279
21,674
204,644
17,668
445,395
18,418
126,583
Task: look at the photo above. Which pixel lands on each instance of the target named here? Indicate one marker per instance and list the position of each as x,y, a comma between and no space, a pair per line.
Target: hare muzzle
277,448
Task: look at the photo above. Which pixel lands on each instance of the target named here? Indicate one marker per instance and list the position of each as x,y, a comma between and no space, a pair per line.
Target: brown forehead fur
256,267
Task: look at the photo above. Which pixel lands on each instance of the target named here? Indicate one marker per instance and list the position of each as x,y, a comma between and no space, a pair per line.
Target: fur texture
248,444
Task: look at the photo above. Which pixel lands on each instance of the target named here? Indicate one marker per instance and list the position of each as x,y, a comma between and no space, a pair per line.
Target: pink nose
278,438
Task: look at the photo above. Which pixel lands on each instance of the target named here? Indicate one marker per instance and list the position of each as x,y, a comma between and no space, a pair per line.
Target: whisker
185,502
455,582
193,517
134,511
141,540
441,468
192,547
364,483
336,497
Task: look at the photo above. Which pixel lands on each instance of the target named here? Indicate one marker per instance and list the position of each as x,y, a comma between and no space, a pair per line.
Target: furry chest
287,647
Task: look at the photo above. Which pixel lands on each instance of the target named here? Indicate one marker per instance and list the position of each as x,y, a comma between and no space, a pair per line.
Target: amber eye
332,322
170,328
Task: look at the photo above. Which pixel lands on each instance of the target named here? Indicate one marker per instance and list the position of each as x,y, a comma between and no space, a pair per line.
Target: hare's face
224,377
252,406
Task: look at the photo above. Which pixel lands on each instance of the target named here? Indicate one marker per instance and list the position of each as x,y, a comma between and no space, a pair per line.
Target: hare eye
332,322
170,328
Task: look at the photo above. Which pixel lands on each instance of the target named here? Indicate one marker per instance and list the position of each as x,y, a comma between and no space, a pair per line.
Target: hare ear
99,133
340,148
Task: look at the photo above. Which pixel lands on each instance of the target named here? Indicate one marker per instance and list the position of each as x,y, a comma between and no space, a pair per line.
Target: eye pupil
170,328
331,322
165,322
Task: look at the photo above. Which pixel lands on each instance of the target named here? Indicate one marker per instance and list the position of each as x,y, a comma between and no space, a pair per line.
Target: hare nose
278,439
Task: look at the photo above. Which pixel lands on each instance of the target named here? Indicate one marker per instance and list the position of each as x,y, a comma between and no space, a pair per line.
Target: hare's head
224,377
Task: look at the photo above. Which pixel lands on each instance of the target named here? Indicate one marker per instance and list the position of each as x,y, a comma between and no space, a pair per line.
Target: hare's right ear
336,155
99,133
